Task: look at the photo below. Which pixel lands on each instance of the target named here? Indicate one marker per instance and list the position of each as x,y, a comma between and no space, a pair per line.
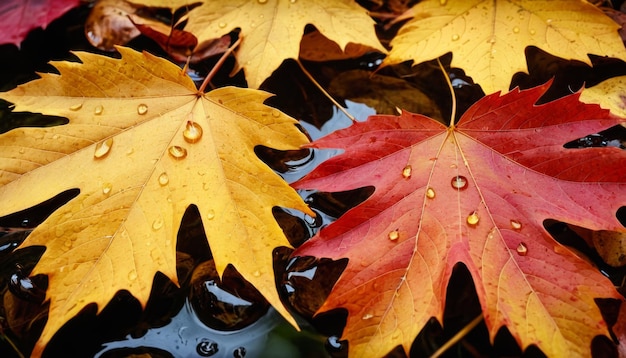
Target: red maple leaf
475,193
21,16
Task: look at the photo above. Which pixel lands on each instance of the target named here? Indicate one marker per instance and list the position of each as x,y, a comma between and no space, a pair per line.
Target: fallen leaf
21,16
272,29
609,94
142,144
475,193
488,38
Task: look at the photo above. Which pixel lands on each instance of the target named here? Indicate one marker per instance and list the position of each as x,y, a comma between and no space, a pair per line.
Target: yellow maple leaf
142,144
608,94
488,38
272,29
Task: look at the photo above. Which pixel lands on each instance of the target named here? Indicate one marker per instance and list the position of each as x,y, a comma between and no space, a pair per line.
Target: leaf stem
452,95
324,91
219,64
458,336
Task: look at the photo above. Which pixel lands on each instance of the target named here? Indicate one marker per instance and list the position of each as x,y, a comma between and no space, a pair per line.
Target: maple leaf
475,193
142,144
488,38
19,17
608,94
272,29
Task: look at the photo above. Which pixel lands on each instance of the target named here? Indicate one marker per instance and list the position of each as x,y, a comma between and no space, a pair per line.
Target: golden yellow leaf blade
139,161
608,94
488,38
272,29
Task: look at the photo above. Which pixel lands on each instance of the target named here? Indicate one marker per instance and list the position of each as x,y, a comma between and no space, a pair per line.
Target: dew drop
106,188
516,225
393,235
492,40
472,219
177,152
142,109
443,2
532,31
76,107
549,22
262,1
132,275
430,193
455,37
256,273
210,215
292,1
157,224
68,243
103,148
459,182
163,179
522,250
367,316
98,110
22,150
516,30
192,132
275,113
406,172
222,25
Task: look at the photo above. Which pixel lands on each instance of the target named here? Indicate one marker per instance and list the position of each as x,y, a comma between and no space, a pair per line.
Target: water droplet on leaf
472,219
455,37
516,30
163,179
132,275
142,109
406,172
192,132
516,225
222,25
103,148
76,107
157,224
177,152
98,110
275,113
393,235
430,193
367,316
106,188
256,273
459,182
210,215
522,250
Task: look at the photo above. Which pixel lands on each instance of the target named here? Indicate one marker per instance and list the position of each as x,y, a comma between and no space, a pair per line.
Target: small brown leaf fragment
109,24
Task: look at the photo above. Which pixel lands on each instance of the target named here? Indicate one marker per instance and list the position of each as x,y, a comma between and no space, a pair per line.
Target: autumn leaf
272,29
475,193
608,94
20,16
488,38
142,145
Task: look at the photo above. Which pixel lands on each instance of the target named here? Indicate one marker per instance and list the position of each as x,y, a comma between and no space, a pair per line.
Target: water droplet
459,182
256,273
222,25
103,148
68,243
455,37
98,110
192,132
56,136
130,151
25,223
393,235
76,107
22,150
516,30
406,172
516,225
430,193
210,215
163,179
142,109
472,219
177,152
443,2
367,316
106,188
292,1
132,275
206,348
522,250
532,31
240,352
492,40
262,1
548,22
157,224
275,113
